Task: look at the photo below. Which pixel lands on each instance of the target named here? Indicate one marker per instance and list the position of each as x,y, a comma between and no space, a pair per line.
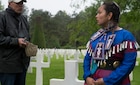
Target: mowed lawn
56,70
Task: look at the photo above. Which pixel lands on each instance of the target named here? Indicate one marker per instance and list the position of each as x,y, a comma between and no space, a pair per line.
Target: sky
53,6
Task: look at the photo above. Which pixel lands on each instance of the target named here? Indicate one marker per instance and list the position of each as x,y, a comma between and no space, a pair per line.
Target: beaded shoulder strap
99,33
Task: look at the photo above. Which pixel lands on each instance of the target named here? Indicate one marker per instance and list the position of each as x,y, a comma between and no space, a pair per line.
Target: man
14,31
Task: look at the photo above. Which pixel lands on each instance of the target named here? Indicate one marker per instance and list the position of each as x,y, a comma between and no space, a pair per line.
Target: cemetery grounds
56,70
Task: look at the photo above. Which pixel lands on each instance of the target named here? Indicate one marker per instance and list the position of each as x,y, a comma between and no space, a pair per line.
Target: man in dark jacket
14,31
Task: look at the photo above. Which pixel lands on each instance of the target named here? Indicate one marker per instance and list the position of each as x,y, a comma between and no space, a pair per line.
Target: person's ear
110,14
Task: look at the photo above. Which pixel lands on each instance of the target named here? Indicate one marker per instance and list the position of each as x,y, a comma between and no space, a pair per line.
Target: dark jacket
12,57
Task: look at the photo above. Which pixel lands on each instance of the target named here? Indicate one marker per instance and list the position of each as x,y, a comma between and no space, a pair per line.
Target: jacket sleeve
4,39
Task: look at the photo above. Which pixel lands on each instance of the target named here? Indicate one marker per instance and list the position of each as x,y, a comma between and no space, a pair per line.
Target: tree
38,36
83,26
61,20
63,30
44,19
85,21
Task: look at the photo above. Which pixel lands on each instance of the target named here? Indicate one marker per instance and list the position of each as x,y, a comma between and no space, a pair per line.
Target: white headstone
71,74
39,64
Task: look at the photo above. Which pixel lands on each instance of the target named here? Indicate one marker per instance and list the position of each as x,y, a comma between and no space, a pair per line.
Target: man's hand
22,42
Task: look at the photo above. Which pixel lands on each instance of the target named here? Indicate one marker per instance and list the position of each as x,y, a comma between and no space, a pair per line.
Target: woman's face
102,17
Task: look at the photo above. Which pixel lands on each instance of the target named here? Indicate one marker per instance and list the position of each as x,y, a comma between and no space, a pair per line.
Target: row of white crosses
39,64
71,66
66,53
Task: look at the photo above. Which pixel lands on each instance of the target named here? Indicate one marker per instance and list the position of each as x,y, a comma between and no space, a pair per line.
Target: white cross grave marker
39,64
71,74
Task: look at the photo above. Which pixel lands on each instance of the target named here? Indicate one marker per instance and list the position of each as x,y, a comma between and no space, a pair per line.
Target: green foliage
38,36
83,26
38,20
60,31
129,19
55,27
63,30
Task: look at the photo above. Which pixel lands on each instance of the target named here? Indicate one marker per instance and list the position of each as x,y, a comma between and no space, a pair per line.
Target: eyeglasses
19,3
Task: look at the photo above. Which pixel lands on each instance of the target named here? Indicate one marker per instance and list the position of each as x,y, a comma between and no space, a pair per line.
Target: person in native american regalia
111,51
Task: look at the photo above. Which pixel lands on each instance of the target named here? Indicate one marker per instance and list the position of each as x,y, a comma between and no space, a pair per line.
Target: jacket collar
12,12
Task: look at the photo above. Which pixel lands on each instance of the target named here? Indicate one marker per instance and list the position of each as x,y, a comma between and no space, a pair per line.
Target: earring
110,26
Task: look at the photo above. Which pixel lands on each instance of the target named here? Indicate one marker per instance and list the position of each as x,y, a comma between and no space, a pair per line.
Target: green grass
56,70
136,76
